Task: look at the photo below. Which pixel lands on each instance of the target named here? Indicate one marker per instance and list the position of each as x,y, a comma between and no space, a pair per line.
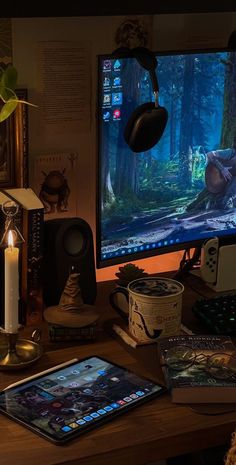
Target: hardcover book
32,219
199,368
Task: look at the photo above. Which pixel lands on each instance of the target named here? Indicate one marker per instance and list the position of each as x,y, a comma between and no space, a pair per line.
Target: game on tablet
67,401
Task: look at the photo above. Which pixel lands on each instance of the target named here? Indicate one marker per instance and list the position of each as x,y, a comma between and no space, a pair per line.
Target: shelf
109,8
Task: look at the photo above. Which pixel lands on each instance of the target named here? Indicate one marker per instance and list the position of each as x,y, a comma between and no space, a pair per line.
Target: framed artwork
14,147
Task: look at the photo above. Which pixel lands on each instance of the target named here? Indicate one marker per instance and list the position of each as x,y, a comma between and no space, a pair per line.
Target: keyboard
218,314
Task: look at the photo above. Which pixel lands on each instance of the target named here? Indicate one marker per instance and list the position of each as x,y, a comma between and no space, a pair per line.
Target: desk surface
153,431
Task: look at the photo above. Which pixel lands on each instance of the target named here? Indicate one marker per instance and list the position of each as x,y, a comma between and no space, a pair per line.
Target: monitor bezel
194,244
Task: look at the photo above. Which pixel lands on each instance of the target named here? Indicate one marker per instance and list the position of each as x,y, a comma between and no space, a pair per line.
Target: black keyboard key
218,313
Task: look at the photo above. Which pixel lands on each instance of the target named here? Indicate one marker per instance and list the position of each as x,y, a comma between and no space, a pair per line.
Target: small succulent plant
128,273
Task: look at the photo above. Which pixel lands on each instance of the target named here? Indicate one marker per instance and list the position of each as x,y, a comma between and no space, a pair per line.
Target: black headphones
146,124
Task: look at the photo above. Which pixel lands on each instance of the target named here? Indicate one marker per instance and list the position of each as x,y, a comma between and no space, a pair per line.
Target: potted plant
125,275
128,273
8,82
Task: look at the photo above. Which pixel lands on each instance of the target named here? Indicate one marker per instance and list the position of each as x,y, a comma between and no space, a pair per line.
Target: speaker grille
73,241
68,245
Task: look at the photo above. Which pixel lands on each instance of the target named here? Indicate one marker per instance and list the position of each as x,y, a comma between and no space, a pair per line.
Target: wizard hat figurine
71,312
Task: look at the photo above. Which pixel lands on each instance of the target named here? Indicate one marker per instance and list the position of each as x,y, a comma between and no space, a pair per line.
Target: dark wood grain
153,431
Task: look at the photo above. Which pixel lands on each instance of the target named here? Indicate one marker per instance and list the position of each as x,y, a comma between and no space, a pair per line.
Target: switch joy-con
209,255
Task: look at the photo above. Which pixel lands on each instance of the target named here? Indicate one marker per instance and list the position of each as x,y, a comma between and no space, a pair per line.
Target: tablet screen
70,400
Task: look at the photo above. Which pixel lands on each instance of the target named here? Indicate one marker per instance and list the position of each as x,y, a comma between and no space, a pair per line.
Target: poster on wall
55,183
64,74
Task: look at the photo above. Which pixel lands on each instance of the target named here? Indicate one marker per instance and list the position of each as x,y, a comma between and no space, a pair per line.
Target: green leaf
8,108
27,103
8,82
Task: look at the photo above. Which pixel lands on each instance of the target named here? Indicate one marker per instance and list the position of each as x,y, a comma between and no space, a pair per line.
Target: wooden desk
153,431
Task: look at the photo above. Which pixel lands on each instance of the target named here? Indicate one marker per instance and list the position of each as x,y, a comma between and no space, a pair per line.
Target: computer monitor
175,195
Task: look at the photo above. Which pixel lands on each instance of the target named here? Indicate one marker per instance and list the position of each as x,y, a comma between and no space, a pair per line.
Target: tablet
67,401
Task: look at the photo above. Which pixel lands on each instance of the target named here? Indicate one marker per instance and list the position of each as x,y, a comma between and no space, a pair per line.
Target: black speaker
146,124
68,246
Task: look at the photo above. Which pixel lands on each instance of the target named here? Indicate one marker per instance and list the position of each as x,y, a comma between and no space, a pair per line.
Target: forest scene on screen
184,188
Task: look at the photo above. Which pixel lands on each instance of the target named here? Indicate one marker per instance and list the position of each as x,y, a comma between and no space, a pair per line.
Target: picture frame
14,146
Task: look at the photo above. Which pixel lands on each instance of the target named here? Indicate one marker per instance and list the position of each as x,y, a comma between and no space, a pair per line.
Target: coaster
122,331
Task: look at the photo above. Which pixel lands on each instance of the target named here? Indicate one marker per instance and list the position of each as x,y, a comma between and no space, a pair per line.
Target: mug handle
116,307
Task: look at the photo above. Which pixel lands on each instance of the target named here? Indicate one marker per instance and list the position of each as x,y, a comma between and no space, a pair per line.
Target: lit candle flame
10,239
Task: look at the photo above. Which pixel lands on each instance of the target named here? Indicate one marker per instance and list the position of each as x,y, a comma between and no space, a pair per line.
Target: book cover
199,368
32,219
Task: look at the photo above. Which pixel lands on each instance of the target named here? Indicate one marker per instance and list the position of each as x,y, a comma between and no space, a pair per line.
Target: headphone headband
147,123
145,58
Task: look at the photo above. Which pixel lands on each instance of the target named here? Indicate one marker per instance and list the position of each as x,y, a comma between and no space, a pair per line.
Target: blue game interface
184,188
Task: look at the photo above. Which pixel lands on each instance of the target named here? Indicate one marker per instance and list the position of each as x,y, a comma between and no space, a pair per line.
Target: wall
168,32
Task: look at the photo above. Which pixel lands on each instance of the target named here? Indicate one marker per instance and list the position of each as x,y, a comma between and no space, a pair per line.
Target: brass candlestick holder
17,353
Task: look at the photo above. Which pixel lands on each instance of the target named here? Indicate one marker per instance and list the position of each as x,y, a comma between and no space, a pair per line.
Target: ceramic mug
155,307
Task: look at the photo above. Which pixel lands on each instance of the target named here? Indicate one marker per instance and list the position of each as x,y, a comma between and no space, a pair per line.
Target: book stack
29,221
199,368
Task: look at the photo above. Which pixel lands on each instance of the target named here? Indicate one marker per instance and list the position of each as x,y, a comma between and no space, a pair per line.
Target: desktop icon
117,65
121,402
115,405
106,99
116,114
106,116
87,418
101,372
107,65
117,81
80,422
140,393
66,428
101,411
117,98
47,384
73,425
75,372
73,384
106,81
108,408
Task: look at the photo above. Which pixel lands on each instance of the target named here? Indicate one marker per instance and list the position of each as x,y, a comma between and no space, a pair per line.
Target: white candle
11,286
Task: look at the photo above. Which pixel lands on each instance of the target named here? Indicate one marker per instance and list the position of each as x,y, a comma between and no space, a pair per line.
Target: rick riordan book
199,368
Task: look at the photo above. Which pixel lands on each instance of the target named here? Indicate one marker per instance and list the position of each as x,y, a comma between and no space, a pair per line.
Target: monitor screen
183,190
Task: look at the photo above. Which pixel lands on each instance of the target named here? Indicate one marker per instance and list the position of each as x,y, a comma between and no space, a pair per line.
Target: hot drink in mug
155,307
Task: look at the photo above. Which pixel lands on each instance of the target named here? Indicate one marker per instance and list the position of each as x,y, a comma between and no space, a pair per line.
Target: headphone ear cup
145,127
131,123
